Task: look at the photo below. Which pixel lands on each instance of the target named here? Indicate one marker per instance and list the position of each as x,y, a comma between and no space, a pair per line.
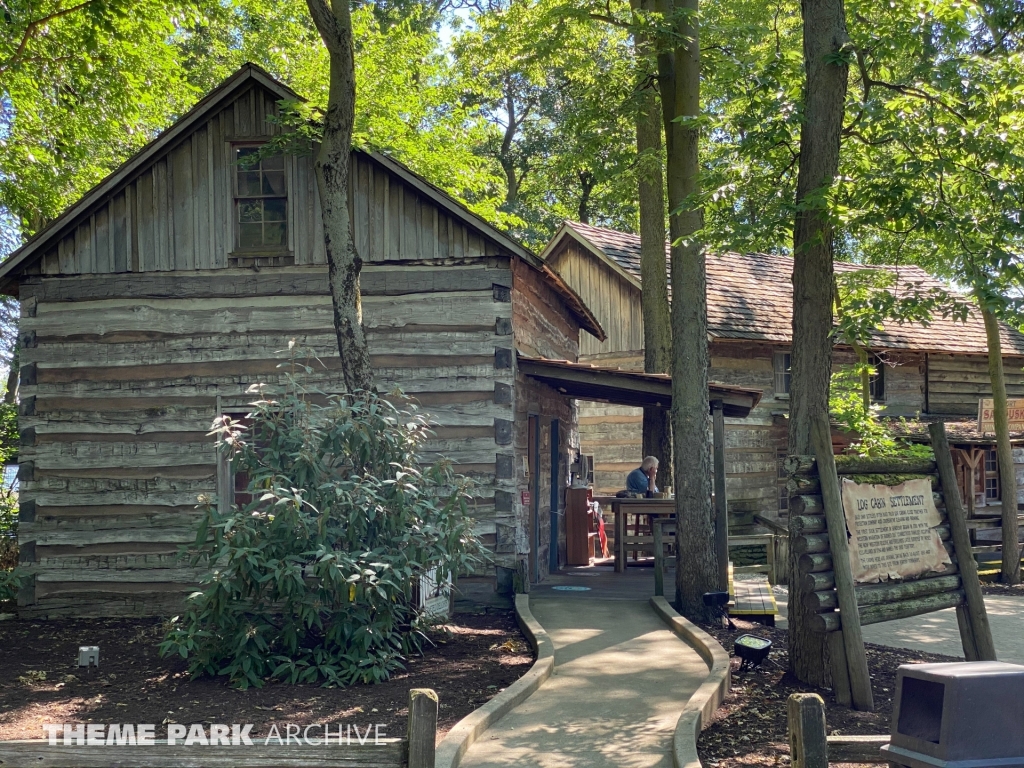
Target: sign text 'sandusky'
987,417
893,530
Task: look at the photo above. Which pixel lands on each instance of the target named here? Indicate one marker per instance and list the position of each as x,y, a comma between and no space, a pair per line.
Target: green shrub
874,436
312,579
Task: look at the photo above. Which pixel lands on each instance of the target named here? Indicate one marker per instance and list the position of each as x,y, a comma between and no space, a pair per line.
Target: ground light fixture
751,650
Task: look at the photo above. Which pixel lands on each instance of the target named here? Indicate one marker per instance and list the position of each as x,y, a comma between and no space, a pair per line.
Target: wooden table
623,507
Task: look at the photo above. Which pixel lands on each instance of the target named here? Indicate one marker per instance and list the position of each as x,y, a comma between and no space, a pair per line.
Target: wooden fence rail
810,747
414,751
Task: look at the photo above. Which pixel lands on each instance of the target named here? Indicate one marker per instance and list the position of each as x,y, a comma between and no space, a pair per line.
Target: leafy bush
312,577
875,437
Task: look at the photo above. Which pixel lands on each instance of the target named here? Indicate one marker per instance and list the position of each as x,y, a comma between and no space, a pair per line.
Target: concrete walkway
621,679
938,632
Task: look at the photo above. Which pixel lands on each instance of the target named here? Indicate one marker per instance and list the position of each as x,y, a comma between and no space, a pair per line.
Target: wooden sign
987,420
893,530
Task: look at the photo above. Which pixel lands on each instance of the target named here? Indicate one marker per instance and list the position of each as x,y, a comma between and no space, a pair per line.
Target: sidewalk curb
708,697
459,739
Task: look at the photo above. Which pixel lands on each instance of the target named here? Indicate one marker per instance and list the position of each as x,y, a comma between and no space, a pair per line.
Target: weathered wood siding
542,327
957,382
178,213
612,298
121,383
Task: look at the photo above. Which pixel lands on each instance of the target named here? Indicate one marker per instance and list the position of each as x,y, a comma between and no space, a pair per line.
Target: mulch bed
1014,590
476,656
751,730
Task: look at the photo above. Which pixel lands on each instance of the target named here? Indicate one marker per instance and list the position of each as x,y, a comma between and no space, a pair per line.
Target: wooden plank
981,631
430,345
101,239
857,749
390,753
282,314
860,679
120,236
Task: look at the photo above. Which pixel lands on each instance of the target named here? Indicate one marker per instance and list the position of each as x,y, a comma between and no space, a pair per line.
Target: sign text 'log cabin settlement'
893,530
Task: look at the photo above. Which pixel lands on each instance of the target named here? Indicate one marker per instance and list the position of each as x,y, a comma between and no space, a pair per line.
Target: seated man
641,479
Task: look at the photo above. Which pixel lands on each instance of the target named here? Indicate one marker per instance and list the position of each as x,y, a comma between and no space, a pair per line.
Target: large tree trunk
824,100
332,166
1004,454
657,436
679,73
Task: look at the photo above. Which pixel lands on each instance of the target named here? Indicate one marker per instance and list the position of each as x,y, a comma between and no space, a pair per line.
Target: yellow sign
986,415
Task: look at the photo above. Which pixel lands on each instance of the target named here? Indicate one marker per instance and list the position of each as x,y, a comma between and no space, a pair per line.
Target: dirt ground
478,655
750,729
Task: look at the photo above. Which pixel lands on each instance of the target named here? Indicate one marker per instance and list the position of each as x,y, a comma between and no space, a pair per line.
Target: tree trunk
679,73
1004,453
824,100
332,166
657,436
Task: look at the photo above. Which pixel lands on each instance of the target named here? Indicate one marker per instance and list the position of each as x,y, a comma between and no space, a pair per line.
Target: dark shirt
636,481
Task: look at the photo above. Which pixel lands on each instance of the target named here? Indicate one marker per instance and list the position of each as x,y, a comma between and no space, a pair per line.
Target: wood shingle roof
750,297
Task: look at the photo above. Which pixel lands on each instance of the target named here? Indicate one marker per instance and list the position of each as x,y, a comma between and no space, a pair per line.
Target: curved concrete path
621,679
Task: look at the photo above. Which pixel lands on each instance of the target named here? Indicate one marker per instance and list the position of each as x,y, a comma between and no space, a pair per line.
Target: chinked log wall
121,383
875,602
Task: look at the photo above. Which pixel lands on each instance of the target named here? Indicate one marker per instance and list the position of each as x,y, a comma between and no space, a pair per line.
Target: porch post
721,506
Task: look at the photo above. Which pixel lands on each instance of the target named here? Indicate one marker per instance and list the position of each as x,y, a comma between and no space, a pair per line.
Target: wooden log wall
120,384
876,603
542,327
178,213
612,434
956,382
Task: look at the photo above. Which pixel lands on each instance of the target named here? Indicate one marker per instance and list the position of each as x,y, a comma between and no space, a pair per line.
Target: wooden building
154,302
923,374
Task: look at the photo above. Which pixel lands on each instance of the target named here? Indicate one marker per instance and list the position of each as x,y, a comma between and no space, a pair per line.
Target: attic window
261,202
782,363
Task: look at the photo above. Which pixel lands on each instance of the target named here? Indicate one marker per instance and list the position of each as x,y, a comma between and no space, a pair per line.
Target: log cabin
922,374
153,304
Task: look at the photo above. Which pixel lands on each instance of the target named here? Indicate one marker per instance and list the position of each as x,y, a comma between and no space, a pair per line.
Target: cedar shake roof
750,297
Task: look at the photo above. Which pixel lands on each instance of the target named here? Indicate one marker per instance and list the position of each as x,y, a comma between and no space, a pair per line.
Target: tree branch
327,25
34,25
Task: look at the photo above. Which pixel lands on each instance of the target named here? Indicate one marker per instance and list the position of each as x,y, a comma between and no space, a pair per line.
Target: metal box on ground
959,715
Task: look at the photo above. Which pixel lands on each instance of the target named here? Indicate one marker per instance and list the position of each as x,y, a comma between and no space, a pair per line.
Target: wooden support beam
721,505
853,641
980,629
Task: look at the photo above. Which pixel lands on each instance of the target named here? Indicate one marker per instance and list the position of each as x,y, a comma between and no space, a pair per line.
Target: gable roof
750,296
245,77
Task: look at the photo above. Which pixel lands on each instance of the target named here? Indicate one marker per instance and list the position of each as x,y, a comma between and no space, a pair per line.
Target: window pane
273,183
250,235
274,233
275,163
244,155
249,183
250,210
274,209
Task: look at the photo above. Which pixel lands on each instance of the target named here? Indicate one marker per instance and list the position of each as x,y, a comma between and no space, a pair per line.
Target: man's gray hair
648,462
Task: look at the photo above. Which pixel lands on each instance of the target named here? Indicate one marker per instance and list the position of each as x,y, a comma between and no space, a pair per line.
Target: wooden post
422,727
853,641
840,669
808,744
963,620
721,505
659,557
981,632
